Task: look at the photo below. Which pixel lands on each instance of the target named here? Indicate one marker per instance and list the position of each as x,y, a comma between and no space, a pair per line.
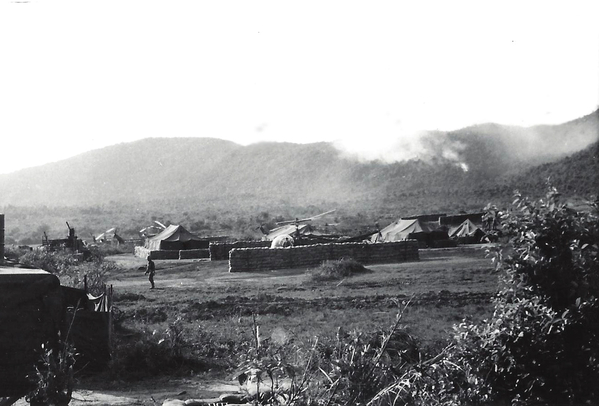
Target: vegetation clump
70,269
152,352
347,370
336,270
540,345
53,380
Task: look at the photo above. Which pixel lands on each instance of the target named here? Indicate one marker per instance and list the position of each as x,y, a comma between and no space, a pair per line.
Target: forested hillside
575,175
219,187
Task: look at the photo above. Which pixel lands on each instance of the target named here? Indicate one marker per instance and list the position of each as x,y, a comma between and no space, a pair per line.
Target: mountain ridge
479,161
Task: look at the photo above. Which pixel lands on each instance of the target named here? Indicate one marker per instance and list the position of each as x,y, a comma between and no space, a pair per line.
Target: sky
367,75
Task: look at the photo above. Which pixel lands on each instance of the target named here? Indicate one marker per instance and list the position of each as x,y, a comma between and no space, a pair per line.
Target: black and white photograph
315,203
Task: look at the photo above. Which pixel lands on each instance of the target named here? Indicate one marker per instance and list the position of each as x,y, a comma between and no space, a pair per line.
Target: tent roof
400,229
467,228
288,230
175,233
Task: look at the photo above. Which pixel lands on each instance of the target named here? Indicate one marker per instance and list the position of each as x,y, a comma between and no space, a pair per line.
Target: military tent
467,233
176,237
411,229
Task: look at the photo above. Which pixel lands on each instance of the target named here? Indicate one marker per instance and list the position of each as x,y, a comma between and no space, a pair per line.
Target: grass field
214,310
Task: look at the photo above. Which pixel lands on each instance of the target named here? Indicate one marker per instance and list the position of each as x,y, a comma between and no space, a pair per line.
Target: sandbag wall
143,252
219,251
264,259
194,254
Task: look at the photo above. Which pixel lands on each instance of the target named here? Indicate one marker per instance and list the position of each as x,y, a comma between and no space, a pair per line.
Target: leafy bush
335,270
70,269
151,353
96,273
53,380
540,345
13,252
54,262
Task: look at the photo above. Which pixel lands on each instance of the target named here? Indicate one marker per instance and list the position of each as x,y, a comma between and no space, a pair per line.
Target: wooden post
1,239
110,326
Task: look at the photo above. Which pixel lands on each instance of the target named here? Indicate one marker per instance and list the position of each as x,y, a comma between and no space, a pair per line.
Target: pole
1,239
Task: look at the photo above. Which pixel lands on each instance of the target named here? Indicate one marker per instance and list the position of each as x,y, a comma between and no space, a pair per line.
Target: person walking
150,271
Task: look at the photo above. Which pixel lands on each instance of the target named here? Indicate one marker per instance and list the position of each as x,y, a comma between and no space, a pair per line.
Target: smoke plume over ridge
425,146
466,147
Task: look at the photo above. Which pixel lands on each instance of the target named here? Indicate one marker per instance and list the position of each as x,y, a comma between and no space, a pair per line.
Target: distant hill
574,175
191,172
492,149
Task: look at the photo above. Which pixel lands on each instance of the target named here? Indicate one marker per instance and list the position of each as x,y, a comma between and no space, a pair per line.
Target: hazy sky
80,75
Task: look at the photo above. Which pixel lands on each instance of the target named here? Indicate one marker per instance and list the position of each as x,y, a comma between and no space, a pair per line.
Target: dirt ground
205,290
151,393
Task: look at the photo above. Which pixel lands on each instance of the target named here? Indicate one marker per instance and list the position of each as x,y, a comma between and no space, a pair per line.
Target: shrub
70,269
53,262
348,370
335,270
540,345
96,273
151,353
53,381
13,252
356,369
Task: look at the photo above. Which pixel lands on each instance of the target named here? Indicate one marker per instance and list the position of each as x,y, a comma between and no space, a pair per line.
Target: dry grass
337,270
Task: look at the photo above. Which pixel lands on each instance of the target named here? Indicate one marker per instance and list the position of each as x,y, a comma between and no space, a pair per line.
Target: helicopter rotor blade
297,221
323,214
280,223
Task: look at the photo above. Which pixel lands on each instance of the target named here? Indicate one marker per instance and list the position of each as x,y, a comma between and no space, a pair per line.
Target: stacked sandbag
264,259
144,252
219,251
164,254
194,254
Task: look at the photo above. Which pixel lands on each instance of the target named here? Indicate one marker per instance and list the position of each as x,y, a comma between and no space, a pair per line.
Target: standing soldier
150,271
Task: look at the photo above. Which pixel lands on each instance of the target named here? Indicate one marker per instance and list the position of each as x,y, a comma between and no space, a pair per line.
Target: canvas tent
455,220
175,237
408,229
467,233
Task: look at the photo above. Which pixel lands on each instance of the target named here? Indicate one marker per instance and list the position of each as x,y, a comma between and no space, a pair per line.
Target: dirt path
151,393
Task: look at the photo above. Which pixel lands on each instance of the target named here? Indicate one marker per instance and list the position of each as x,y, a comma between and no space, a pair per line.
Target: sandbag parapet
219,251
262,258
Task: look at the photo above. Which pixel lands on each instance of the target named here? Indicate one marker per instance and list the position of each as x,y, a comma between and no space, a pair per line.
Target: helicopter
109,235
152,230
290,231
